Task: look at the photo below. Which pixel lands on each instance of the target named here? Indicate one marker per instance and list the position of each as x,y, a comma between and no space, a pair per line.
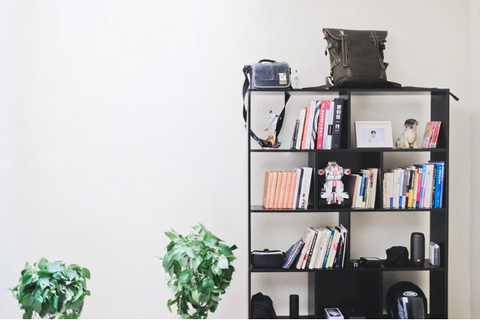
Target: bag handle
247,69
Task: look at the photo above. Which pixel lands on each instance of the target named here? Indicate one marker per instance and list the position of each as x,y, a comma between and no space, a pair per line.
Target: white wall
474,19
121,120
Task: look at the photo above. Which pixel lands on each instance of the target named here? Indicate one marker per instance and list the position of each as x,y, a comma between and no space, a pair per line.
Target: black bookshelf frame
353,291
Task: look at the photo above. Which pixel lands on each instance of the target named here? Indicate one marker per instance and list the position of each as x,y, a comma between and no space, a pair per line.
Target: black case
267,259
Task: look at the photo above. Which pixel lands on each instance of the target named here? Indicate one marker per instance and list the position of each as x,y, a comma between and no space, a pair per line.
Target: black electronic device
294,313
417,249
370,262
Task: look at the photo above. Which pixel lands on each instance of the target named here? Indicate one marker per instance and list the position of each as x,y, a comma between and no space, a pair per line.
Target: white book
344,238
391,181
323,250
311,231
301,117
313,105
297,185
333,248
415,182
305,188
306,238
401,176
384,187
316,249
427,199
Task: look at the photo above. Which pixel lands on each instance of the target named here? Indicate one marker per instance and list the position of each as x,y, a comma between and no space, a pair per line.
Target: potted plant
200,267
52,290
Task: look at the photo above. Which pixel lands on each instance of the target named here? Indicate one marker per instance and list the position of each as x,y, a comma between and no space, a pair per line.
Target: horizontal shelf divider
426,267
369,90
360,150
260,209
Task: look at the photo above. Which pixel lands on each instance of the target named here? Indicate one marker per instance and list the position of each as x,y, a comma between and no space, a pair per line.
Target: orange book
293,184
283,187
287,190
271,197
305,128
278,190
267,188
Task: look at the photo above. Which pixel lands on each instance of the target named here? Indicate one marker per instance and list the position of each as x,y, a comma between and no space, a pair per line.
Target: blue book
440,165
292,254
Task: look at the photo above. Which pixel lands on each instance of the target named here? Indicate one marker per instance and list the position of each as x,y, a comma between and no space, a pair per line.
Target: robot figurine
332,190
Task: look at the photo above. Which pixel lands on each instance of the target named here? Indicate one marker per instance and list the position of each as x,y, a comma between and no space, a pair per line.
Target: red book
437,131
321,124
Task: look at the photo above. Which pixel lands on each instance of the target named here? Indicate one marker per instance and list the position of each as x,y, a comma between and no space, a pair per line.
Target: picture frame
373,134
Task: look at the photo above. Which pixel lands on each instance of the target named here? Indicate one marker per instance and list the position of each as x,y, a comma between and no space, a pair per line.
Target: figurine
272,130
409,136
332,190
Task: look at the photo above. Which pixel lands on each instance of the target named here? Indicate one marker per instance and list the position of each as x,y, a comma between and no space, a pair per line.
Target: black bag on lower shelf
262,307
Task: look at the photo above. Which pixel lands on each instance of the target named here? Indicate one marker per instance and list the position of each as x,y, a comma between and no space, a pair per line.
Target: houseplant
200,267
52,290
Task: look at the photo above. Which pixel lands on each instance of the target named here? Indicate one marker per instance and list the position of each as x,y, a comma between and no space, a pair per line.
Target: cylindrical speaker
294,306
417,249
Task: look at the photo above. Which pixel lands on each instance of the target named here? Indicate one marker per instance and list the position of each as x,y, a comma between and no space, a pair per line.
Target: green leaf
42,263
223,262
27,300
207,285
172,235
196,263
28,314
37,304
169,304
233,247
44,282
53,267
86,273
185,277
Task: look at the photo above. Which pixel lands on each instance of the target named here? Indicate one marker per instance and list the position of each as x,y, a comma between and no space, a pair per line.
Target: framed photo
373,134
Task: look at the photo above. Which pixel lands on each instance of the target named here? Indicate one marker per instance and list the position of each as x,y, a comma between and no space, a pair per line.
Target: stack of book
287,189
319,126
419,186
362,188
430,137
319,248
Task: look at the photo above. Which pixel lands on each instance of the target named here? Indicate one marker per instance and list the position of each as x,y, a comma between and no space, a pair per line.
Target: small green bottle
296,81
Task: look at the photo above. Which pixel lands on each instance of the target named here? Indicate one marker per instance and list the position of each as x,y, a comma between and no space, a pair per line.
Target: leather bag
356,58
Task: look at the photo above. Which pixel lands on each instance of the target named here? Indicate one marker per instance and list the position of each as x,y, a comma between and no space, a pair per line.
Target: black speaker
294,306
417,249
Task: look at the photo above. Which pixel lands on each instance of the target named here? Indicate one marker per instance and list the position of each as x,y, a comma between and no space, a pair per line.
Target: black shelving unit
362,288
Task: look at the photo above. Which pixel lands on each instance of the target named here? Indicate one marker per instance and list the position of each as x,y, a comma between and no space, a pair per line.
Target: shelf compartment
260,209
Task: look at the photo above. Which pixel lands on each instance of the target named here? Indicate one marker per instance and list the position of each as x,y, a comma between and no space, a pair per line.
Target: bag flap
337,33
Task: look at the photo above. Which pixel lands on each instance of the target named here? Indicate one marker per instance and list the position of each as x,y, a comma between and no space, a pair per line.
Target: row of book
419,186
362,188
319,125
430,137
287,189
319,248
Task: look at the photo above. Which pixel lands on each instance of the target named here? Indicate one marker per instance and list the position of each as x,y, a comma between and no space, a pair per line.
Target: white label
282,78
410,294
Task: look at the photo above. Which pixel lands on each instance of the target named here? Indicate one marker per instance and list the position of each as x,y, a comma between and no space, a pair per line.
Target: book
292,254
305,188
306,238
312,247
326,233
337,123
273,189
267,189
321,124
317,249
340,262
427,200
352,183
297,188
329,245
291,195
288,186
278,190
427,135
440,165
295,134
436,133
308,246
333,248
330,126
301,124
325,124
306,136
313,138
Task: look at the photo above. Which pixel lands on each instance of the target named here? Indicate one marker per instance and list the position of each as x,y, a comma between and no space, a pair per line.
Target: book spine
325,124
305,190
391,181
434,187
337,125
291,195
300,130
298,188
271,198
288,186
329,245
295,134
321,125
437,133
313,137
278,191
312,248
441,185
330,126
305,136
266,189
